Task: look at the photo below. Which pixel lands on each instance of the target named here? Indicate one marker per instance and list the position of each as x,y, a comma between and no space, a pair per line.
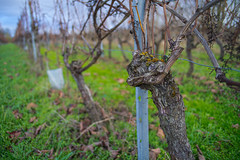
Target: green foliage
211,110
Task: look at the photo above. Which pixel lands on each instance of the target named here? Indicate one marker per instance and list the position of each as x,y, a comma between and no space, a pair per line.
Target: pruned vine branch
220,76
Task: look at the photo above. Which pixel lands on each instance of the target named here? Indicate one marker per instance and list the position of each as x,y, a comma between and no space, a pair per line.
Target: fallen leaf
43,152
202,78
17,115
132,121
209,82
134,152
153,154
105,115
105,142
217,99
41,127
70,108
114,153
157,150
11,77
235,126
178,80
61,94
153,127
184,95
51,154
193,93
57,101
14,134
150,107
86,74
91,146
31,105
115,89
29,134
124,92
120,80
200,154
105,129
161,134
84,124
214,91
94,133
32,119
221,84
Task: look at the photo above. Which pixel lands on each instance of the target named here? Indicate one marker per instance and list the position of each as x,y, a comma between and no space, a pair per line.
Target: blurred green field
212,110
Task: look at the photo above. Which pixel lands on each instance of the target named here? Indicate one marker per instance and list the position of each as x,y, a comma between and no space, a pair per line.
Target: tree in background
5,35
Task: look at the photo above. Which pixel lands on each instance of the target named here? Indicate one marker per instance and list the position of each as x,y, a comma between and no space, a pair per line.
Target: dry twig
95,123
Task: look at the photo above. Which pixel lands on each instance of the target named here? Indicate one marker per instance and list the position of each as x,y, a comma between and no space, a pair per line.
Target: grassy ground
40,123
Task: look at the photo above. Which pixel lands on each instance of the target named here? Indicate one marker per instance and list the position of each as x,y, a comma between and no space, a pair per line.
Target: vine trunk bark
143,71
171,113
93,109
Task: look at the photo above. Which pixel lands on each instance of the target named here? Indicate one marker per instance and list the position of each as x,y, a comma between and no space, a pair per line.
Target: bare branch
153,43
89,46
95,123
133,26
65,58
219,74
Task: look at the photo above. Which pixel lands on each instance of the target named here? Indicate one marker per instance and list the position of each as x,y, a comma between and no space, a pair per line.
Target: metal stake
141,95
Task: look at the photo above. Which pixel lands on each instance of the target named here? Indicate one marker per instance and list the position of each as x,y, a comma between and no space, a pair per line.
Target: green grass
209,115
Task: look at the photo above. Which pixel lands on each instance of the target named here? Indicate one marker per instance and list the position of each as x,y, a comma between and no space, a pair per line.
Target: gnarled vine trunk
92,107
171,113
94,110
168,100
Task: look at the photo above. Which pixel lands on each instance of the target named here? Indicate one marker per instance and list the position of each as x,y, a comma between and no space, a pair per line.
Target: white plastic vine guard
56,79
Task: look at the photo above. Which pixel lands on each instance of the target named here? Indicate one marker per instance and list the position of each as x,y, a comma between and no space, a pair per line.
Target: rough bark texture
93,109
171,113
168,100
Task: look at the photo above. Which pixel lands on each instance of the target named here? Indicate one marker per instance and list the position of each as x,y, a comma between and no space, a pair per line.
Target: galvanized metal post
34,46
141,95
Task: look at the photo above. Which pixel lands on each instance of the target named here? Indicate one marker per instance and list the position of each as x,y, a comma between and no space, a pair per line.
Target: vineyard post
141,95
